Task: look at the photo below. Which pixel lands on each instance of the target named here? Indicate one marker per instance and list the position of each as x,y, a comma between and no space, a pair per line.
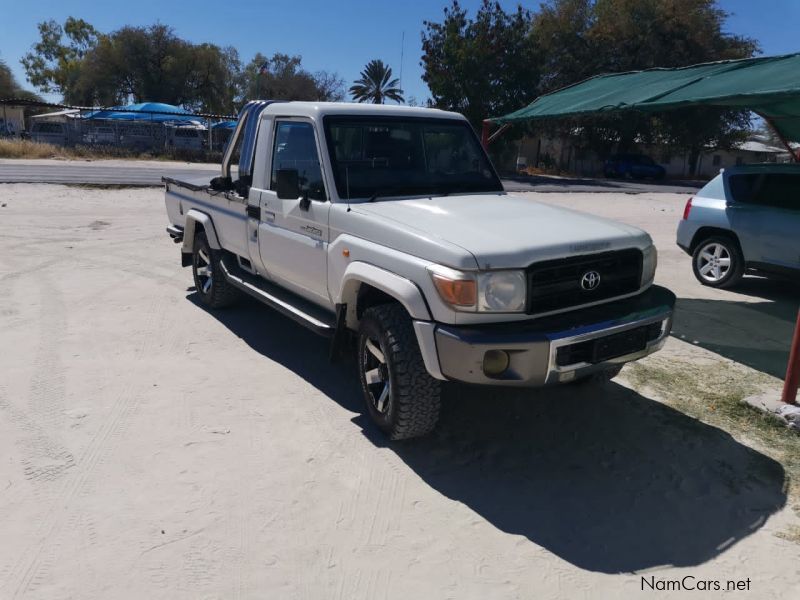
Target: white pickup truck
387,229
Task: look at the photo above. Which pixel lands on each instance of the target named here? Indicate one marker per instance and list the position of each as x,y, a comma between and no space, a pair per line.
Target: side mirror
305,201
287,185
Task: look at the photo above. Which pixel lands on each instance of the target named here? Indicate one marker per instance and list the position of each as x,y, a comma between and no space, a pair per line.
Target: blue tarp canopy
224,125
144,111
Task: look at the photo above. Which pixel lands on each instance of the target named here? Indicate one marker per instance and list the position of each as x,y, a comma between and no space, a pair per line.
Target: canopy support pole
792,155
487,137
792,380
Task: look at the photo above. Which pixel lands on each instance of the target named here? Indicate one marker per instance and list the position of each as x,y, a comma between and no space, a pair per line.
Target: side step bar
307,314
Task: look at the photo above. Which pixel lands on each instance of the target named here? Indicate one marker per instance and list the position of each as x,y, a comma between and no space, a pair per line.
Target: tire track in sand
33,566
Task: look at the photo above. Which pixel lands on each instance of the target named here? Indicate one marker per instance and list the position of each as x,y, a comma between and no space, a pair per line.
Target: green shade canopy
769,86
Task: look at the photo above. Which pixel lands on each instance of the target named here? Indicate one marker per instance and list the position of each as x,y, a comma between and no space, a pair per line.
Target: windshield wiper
382,194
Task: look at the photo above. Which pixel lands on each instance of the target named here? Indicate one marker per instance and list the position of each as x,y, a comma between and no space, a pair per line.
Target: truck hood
507,230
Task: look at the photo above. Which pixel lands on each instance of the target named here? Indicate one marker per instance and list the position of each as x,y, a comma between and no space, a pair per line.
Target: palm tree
376,84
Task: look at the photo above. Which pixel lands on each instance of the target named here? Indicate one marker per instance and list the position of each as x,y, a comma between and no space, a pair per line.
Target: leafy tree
9,88
132,64
500,62
282,77
53,63
481,67
641,34
376,84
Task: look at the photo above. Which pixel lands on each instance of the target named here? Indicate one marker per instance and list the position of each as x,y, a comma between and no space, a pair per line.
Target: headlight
501,291
649,262
493,291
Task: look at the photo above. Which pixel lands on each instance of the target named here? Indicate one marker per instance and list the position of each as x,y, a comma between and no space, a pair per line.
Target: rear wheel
718,262
401,398
209,280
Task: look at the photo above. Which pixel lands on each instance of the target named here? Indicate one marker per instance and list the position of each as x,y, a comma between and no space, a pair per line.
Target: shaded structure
769,86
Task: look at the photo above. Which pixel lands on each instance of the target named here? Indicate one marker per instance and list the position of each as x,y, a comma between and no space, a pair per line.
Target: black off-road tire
414,397
219,293
731,248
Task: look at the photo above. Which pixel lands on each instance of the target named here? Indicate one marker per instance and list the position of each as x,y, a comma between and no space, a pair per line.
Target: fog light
495,362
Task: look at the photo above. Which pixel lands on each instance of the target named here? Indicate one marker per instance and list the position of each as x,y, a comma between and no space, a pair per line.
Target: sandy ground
152,449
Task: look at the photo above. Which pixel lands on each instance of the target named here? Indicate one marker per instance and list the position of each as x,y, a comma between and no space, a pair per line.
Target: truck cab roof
318,109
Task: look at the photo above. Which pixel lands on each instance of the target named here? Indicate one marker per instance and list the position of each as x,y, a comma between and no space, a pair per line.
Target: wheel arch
365,285
199,221
707,231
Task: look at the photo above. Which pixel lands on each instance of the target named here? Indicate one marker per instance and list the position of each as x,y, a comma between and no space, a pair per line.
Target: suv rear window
778,190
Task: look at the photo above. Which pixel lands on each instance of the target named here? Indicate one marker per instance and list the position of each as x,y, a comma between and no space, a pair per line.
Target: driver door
293,232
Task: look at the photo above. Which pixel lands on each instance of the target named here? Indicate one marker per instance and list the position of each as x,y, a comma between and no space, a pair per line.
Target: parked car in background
48,132
101,135
746,219
186,137
139,136
633,166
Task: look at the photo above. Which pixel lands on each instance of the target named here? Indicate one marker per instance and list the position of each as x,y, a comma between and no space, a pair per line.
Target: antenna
402,48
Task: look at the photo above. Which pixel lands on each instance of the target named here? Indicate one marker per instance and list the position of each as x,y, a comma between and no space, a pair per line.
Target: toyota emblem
590,280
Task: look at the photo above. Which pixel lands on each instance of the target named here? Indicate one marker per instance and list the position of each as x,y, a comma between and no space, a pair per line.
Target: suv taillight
687,209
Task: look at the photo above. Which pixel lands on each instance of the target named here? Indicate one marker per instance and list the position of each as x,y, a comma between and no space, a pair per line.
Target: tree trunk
694,156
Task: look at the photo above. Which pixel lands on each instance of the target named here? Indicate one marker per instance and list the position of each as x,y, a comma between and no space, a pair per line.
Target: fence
139,136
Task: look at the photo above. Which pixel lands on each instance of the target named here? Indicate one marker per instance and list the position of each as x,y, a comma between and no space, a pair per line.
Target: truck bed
227,210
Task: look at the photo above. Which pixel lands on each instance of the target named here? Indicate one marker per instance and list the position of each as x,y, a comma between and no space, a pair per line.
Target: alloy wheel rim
376,375
204,275
713,262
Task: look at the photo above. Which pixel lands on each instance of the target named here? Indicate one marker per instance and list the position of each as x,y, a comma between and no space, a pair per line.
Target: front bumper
561,348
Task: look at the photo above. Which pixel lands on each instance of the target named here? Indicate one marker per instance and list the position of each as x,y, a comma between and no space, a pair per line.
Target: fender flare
194,216
403,290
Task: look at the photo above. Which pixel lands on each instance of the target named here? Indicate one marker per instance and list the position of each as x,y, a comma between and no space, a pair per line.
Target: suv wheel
718,262
209,280
401,397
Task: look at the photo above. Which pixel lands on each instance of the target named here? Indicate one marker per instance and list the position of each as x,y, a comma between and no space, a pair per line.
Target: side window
295,162
780,190
744,187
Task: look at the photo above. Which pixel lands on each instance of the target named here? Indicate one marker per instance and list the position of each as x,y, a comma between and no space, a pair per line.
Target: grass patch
16,148
714,394
28,149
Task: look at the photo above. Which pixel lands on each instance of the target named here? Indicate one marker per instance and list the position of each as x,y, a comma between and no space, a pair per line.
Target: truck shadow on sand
757,333
606,478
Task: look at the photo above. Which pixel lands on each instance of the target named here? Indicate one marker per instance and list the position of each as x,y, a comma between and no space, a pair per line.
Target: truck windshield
397,156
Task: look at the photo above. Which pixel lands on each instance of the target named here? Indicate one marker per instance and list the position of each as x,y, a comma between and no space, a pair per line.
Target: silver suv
746,219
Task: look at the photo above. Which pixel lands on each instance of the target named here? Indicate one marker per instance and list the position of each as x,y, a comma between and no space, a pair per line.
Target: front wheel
402,399
718,262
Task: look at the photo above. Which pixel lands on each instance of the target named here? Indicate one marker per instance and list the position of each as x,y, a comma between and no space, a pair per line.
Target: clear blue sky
330,35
